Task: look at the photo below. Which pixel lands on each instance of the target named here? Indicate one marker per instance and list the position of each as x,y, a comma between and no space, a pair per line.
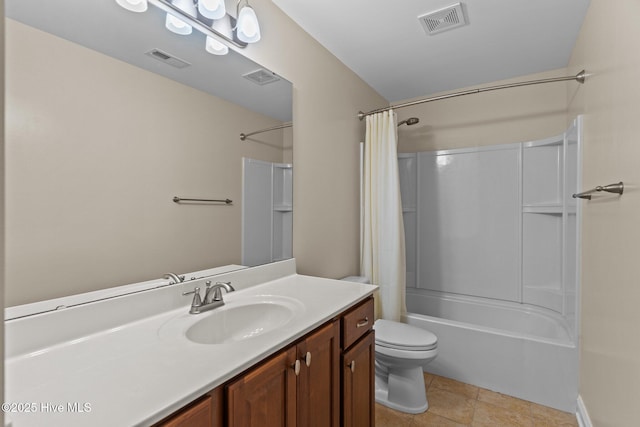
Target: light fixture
133,5
212,9
215,47
182,18
247,27
177,25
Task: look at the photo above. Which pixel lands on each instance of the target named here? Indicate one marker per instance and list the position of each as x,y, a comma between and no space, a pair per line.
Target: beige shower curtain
382,254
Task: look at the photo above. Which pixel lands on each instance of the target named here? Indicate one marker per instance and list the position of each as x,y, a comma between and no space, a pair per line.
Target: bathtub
514,349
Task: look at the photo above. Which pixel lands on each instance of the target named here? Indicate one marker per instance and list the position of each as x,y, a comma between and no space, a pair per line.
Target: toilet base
402,390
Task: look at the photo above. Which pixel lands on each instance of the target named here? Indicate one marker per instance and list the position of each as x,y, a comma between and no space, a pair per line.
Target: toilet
401,351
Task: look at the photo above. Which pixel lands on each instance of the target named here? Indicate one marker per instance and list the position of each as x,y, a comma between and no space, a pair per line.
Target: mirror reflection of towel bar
225,201
611,188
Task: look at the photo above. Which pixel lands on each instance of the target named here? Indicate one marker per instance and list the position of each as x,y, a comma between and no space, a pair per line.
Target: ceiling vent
167,58
444,19
261,77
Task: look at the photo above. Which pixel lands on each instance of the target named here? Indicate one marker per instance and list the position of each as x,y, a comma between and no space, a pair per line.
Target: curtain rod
580,77
244,136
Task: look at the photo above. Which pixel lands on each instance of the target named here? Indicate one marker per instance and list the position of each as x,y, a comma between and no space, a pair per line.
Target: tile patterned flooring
456,404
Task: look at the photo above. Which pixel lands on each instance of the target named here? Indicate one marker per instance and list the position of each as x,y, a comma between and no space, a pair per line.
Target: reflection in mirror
100,136
267,211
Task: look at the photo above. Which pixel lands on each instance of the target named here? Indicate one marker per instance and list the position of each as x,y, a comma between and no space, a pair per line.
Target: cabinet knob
296,367
307,359
352,366
362,322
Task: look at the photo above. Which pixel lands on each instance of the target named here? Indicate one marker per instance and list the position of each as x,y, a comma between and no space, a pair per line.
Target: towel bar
225,201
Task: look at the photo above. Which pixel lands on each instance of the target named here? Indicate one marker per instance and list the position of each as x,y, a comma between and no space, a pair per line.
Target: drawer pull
296,367
362,322
307,359
352,366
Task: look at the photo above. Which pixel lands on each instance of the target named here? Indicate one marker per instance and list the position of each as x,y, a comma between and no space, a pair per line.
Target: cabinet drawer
357,322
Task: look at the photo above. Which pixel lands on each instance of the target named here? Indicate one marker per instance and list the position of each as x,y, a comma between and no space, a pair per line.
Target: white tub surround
497,222
124,360
528,353
493,263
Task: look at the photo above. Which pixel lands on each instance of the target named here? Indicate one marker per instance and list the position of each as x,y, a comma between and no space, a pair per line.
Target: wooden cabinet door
199,414
319,380
358,386
266,396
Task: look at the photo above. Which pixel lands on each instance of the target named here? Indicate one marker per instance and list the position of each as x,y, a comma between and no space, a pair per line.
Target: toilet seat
400,336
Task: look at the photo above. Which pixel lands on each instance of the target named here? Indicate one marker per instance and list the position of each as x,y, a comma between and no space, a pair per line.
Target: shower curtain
382,247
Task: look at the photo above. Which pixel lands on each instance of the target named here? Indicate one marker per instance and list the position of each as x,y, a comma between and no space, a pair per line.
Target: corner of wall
582,415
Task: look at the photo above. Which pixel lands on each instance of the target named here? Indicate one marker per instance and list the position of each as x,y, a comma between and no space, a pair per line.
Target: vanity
284,349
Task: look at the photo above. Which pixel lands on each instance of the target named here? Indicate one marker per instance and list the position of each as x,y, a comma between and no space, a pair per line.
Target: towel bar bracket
617,188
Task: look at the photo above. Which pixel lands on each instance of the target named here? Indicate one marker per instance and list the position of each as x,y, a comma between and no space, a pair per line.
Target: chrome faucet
212,297
174,277
217,291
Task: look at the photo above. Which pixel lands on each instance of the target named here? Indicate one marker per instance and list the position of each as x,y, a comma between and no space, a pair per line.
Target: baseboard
582,415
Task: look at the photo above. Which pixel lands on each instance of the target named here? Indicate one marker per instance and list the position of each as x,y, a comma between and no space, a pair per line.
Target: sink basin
235,321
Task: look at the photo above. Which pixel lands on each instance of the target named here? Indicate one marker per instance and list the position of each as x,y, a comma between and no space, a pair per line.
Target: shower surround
492,263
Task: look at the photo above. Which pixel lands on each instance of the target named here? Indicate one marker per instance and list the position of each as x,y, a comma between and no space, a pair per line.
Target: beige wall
96,149
497,117
326,133
607,48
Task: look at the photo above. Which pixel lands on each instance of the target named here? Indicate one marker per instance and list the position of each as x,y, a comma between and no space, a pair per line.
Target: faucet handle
197,301
195,290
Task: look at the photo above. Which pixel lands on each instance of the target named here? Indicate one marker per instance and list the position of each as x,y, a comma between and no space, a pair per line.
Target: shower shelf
546,166
282,208
543,209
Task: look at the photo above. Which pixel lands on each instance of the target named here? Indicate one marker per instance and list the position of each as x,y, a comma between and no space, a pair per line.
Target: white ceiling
383,42
104,26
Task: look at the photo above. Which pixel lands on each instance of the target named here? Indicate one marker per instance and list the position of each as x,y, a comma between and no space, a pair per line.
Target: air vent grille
167,58
443,19
261,77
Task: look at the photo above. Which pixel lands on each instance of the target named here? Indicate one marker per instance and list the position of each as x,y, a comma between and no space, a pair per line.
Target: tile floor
456,404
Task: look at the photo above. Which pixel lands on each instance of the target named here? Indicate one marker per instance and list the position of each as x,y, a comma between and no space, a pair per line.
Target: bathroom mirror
102,134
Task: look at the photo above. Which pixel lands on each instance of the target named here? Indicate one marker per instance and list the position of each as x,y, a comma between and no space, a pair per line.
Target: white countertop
134,374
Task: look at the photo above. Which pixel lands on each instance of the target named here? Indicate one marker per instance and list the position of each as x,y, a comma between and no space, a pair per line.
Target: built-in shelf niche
282,211
542,260
543,210
542,173
267,212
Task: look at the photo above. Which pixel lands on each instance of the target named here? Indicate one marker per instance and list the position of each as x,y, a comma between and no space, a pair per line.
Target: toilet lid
402,336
